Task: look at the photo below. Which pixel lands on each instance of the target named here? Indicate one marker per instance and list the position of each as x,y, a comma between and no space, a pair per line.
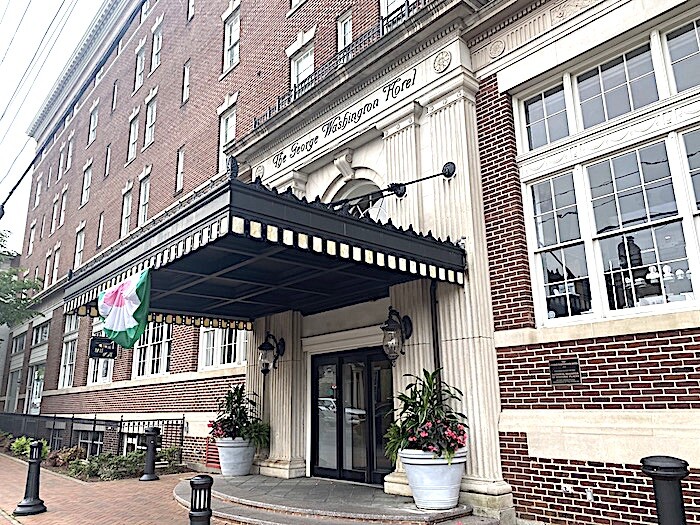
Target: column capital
403,118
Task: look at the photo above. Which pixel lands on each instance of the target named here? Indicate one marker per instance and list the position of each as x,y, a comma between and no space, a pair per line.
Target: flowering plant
426,419
237,417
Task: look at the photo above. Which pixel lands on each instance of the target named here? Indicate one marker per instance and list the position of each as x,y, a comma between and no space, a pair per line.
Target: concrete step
248,512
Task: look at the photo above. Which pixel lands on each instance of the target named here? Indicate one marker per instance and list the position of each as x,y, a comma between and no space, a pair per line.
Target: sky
18,44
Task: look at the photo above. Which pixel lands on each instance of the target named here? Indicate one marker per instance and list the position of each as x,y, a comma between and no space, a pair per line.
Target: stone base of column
493,499
281,468
397,483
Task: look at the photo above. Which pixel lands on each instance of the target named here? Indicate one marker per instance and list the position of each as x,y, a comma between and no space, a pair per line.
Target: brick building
574,330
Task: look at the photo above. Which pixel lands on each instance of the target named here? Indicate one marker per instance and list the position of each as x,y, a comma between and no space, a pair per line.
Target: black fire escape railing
357,46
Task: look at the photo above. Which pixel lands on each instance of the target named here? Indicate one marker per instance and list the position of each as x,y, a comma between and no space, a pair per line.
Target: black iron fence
357,46
93,434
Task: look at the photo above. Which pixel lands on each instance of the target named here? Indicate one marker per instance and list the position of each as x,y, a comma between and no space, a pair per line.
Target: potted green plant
238,432
430,437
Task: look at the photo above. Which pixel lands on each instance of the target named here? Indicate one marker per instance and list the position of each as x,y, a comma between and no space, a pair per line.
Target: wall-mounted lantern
270,350
397,330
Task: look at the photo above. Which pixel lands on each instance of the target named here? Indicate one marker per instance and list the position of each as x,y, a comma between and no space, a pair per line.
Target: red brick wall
192,396
638,371
511,288
185,349
53,356
622,494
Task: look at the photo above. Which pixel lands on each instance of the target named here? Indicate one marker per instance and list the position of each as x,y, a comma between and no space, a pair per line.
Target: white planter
434,483
235,456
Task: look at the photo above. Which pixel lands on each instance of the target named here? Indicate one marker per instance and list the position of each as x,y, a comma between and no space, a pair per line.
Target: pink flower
423,434
428,425
412,438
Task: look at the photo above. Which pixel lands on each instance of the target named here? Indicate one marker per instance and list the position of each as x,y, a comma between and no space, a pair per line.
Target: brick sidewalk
72,502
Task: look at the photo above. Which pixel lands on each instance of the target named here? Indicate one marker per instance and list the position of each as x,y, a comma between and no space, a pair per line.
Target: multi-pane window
99,369
227,134
30,245
149,135
54,215
684,50
40,333
47,271
144,194
87,180
43,226
56,263
691,141
190,9
222,347
126,214
617,87
157,46
91,442
545,117
152,351
133,138
37,195
69,154
92,131
114,94
344,31
79,247
302,66
61,158
100,229
65,379
140,65
108,159
186,82
232,35
180,170
18,343
64,202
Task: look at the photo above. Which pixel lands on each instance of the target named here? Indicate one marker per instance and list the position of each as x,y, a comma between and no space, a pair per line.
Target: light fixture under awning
235,252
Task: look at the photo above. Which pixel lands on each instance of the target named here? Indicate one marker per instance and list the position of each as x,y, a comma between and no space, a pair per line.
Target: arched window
365,199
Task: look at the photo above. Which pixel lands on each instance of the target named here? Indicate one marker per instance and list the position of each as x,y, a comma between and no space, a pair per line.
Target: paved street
73,502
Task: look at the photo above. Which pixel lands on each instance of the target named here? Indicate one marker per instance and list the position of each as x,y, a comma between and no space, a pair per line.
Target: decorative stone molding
229,101
303,38
151,94
522,28
344,165
146,172
127,187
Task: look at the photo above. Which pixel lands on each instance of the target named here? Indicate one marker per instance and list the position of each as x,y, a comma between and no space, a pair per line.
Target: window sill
136,90
130,161
184,102
153,71
89,143
229,69
146,146
178,192
83,204
295,8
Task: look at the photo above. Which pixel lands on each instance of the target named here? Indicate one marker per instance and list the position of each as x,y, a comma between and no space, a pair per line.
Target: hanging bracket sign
103,348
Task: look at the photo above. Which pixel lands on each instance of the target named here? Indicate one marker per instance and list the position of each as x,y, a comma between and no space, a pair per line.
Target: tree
15,291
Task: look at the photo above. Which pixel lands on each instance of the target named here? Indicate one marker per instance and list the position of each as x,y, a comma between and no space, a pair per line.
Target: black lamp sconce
397,330
270,350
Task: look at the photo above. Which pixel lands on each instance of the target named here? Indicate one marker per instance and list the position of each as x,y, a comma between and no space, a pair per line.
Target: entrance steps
256,500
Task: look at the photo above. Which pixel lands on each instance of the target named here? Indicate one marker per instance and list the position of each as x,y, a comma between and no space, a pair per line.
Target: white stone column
283,397
465,316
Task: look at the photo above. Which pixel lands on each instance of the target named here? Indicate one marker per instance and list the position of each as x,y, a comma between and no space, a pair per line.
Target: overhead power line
15,33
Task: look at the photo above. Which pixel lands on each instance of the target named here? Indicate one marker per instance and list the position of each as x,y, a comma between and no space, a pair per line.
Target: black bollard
31,504
200,501
667,473
149,470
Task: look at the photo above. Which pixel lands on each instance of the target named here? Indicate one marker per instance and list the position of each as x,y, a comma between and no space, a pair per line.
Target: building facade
569,320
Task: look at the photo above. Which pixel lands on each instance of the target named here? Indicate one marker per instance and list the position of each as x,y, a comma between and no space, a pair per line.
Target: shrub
172,457
108,466
20,447
6,441
64,456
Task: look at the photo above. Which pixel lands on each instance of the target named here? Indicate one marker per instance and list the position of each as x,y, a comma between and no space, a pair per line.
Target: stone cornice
101,26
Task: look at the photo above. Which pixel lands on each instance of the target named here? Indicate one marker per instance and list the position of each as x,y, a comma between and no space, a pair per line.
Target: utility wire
32,62
2,17
9,127
15,33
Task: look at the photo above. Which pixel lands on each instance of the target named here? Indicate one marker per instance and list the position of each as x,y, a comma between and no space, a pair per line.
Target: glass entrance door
352,409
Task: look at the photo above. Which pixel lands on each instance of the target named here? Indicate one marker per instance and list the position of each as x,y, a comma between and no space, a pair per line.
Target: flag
124,309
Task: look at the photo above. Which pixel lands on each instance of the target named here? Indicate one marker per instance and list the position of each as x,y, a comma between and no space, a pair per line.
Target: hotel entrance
351,411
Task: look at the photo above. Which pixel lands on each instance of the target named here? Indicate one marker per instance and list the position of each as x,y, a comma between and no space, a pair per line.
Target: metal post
149,471
667,473
200,501
31,504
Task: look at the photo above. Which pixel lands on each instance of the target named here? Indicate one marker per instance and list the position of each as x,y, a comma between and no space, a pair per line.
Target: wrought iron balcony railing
357,46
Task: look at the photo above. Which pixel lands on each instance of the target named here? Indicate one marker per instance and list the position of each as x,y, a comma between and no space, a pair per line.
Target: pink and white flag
124,309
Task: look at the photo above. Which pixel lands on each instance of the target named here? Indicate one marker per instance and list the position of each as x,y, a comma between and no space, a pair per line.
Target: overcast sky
50,61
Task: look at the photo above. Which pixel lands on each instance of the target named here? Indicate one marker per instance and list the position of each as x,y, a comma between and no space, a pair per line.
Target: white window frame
61,160
186,82
157,45
100,370
64,203
115,90
40,333
227,127
150,359
13,384
144,197
180,170
342,26
47,271
214,344
32,235
108,159
92,131
140,67
87,182
125,223
667,55
100,229
133,138
79,246
232,36
37,195
16,347
54,214
190,9
56,264
299,75
69,153
150,133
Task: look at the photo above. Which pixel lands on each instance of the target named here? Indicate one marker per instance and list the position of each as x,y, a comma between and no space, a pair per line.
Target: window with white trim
146,9
18,343
30,244
691,143
54,214
150,134
232,35
157,46
126,214
92,131
56,263
152,351
144,195
37,195
91,442
40,333
100,370
79,247
133,138
69,154
108,159
190,9
545,117
61,158
47,271
64,202
222,347
100,229
186,82
70,342
302,65
140,66
344,35
227,125
684,52
114,94
180,170
87,181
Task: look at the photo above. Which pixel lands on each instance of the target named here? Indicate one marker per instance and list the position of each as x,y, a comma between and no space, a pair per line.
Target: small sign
103,348
565,371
